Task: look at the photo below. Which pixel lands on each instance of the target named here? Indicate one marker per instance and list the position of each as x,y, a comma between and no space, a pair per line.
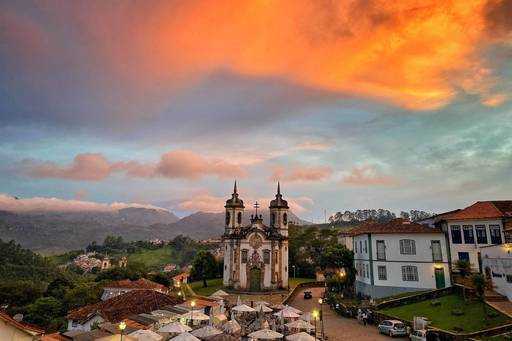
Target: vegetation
464,268
472,317
212,286
205,266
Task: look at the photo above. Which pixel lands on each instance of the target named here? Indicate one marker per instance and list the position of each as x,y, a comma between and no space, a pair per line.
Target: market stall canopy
206,331
243,308
186,336
175,327
220,293
300,324
195,315
300,337
146,335
263,308
287,314
265,334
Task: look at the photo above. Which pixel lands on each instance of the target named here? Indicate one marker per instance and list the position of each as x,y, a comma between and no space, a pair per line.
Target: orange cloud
494,100
178,164
204,203
301,173
367,175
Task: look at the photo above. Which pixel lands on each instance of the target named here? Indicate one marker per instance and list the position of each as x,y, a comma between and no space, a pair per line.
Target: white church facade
256,256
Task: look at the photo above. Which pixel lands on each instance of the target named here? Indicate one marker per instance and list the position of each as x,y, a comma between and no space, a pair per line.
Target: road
335,326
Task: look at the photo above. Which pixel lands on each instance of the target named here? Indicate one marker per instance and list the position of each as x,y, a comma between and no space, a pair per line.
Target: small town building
497,267
119,308
16,330
399,256
256,256
117,288
468,230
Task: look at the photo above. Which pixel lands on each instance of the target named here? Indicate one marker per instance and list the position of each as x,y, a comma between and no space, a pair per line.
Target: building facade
399,256
256,256
480,225
497,267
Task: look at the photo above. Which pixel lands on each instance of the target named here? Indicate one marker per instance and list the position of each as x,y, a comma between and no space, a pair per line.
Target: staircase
493,296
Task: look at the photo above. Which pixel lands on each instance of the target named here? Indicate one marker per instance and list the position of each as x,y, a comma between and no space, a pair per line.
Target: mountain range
54,232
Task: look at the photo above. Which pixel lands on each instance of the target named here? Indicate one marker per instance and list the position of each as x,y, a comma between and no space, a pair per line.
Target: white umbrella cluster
185,337
146,335
265,334
301,337
175,327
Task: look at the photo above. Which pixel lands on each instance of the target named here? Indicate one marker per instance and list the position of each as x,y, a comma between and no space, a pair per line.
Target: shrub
457,312
435,303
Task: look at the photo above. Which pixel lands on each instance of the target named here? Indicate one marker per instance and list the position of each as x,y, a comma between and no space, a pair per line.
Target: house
180,278
203,304
399,256
118,308
345,238
482,224
497,267
117,288
17,330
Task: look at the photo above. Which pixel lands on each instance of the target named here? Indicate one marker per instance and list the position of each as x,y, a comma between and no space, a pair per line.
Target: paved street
337,327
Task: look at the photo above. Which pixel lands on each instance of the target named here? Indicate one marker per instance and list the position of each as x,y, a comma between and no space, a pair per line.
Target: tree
204,266
82,294
338,264
58,287
479,283
161,279
20,293
464,268
44,311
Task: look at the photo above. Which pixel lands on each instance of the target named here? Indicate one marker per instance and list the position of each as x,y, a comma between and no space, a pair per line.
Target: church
256,256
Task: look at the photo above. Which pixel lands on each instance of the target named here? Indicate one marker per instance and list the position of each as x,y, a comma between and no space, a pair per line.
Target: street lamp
294,275
122,327
192,304
314,313
321,301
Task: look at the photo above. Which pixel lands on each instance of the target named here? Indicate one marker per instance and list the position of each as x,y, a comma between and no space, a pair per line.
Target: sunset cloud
367,175
300,173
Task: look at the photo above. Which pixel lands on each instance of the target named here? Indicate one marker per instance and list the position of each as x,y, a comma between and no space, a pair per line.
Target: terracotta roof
395,226
120,307
26,327
141,283
483,210
54,337
200,303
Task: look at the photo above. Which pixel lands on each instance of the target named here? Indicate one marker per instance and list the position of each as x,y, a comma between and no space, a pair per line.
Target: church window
244,256
285,219
239,219
272,219
266,256
228,218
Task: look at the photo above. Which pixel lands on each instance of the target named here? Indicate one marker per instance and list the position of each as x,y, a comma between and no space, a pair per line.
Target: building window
469,238
495,232
228,218
355,247
272,219
266,256
464,256
285,219
381,250
456,235
239,218
509,278
407,247
365,246
409,273
360,246
244,256
437,253
381,269
481,234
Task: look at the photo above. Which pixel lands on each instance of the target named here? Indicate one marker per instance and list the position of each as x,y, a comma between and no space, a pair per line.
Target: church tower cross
256,206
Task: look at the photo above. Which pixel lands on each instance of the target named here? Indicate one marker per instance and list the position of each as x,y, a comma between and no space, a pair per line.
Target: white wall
9,333
498,259
86,326
474,248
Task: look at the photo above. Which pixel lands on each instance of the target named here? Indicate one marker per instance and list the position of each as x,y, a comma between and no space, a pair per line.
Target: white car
418,335
392,328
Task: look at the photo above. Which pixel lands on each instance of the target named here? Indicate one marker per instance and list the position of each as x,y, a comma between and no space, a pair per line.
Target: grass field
441,316
155,259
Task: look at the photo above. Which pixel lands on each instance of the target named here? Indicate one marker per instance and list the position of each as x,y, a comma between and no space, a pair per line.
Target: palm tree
464,268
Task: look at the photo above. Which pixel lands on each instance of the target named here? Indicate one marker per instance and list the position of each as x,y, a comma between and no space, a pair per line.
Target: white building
399,256
256,256
468,230
497,266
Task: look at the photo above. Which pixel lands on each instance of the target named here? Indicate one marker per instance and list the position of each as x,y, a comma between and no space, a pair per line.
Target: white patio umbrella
278,307
186,336
265,334
232,326
295,310
206,331
265,303
243,308
220,293
263,308
175,327
300,324
195,315
287,314
146,335
302,336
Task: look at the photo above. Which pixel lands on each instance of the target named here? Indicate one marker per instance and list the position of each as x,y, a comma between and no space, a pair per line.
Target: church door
255,279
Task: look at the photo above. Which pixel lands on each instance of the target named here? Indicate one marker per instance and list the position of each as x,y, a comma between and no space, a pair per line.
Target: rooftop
395,226
26,327
141,283
483,210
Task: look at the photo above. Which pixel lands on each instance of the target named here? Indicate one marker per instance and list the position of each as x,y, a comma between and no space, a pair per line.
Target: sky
349,104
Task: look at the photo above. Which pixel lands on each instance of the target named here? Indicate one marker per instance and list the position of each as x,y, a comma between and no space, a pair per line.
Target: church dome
279,202
235,201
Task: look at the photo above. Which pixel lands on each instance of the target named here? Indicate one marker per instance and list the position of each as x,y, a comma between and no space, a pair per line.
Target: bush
457,312
435,303
492,314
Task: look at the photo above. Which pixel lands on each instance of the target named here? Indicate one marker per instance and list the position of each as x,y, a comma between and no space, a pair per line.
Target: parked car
392,328
307,295
418,335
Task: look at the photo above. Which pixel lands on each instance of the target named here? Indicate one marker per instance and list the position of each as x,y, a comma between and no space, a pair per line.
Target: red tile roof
483,210
120,307
141,283
26,327
395,226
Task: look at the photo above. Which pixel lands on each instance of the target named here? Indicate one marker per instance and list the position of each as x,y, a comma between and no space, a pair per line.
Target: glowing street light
192,304
314,313
122,327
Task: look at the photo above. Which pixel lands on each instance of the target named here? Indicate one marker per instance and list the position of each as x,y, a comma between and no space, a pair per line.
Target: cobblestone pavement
337,327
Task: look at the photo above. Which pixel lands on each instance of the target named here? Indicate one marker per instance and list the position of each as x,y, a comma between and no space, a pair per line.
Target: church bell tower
234,212
279,213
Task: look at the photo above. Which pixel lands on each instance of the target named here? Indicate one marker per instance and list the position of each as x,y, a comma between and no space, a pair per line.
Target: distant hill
55,232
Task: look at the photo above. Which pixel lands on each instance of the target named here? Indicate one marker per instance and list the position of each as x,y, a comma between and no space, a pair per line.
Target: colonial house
482,224
17,330
497,267
345,238
117,288
119,308
399,256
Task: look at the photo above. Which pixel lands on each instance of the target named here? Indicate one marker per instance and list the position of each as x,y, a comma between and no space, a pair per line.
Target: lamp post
122,327
192,304
294,275
315,317
321,301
